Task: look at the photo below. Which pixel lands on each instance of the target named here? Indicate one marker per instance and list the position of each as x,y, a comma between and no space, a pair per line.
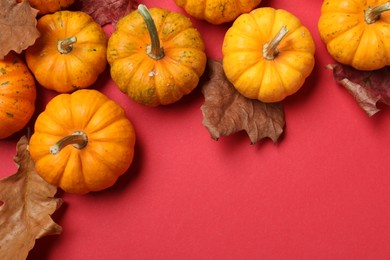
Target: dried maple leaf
107,11
27,203
17,26
225,111
367,87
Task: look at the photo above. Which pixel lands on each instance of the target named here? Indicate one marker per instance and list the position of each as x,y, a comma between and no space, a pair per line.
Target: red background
320,192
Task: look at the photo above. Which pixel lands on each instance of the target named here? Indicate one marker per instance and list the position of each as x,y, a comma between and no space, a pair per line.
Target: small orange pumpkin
17,95
268,54
50,6
156,57
217,11
82,142
357,32
70,54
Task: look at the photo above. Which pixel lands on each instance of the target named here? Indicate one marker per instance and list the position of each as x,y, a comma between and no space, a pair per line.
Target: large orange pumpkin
17,95
82,142
268,54
156,57
70,54
357,32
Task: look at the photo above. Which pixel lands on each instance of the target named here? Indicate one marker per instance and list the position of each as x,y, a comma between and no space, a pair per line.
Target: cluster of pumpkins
156,57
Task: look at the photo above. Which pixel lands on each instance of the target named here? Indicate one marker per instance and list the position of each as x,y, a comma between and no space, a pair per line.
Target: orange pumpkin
217,11
156,57
50,6
82,142
17,95
357,32
268,54
70,54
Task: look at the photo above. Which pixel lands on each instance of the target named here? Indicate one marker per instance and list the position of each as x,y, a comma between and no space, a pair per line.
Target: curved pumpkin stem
78,139
154,50
66,45
270,50
372,14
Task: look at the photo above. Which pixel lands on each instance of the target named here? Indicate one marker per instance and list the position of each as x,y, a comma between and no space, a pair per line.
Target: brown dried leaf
367,87
17,26
107,11
225,111
27,203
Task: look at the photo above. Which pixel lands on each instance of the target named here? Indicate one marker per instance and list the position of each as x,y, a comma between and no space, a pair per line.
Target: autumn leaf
26,205
367,87
107,11
225,111
17,26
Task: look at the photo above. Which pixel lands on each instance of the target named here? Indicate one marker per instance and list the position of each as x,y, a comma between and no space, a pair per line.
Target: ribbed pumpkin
17,95
70,53
156,56
268,54
82,142
217,11
50,6
357,32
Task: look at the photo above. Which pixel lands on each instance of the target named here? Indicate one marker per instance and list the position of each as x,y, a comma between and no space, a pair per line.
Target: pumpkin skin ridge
293,65
198,72
89,187
335,43
197,51
45,81
252,52
160,26
125,53
94,71
128,87
245,90
152,99
241,49
52,120
181,89
71,172
262,92
56,169
283,90
124,87
249,35
341,30
93,129
362,50
168,48
101,158
115,170
239,71
180,38
301,75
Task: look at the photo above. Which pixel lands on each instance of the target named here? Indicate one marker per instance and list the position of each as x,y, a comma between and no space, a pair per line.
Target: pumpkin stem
78,139
372,14
270,49
66,45
154,50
